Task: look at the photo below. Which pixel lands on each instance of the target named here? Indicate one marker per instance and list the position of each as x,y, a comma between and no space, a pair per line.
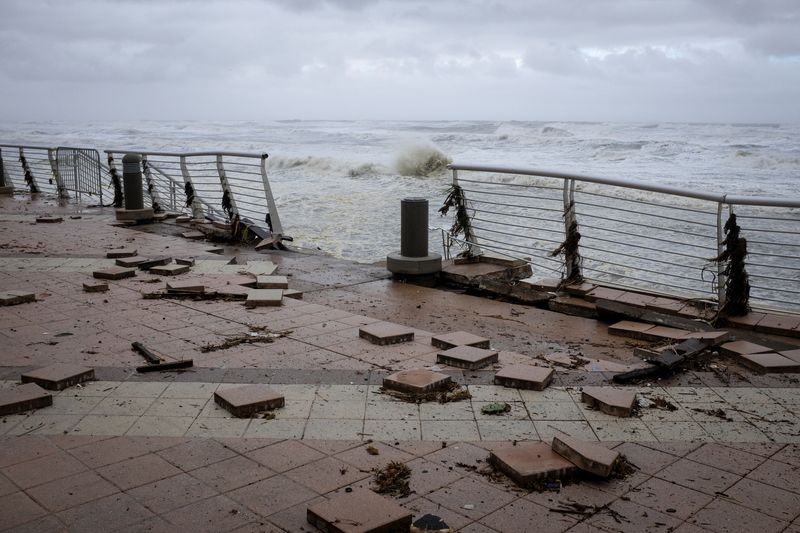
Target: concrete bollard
132,181
414,258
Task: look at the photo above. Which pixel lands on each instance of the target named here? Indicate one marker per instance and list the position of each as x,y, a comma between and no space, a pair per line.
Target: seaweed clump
737,282
393,479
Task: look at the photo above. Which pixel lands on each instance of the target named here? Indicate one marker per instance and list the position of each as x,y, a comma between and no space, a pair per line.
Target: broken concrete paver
467,357
529,464
23,398
383,333
272,282
264,297
611,401
16,297
121,252
769,362
172,269
588,456
359,511
527,377
416,381
114,273
58,376
245,401
459,338
95,286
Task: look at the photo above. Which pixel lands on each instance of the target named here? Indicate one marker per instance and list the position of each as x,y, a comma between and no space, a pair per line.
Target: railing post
155,199
273,220
571,235
721,293
26,169
474,248
119,197
6,187
172,195
228,201
191,196
52,157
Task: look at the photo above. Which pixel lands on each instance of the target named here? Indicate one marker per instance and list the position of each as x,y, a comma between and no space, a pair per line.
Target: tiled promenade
153,452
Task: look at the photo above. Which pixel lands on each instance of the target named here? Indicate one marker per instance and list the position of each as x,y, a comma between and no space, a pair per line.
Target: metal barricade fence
634,235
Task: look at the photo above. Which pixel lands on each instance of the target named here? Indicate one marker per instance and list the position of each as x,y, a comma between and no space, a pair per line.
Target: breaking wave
421,160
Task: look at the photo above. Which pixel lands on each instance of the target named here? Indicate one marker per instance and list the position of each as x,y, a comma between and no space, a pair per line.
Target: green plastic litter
495,408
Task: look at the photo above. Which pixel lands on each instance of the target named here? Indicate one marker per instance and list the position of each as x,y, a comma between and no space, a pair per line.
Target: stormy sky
610,60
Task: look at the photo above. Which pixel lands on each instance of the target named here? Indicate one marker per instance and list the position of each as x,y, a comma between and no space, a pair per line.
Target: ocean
338,184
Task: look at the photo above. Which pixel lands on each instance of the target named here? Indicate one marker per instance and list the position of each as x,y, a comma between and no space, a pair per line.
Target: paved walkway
153,452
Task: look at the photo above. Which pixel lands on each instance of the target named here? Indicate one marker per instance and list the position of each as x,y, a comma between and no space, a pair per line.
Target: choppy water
338,184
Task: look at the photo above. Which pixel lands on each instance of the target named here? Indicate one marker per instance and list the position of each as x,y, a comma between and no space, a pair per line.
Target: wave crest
421,160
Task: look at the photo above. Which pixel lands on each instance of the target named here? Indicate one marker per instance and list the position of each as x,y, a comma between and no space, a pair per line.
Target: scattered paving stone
294,294
711,338
48,220
383,333
587,456
16,297
260,268
417,381
130,262
193,235
244,402
185,261
23,398
114,273
467,357
264,297
216,250
742,348
272,282
459,338
147,264
608,400
772,363
570,305
172,269
95,286
546,285
524,377
579,289
359,511
58,376
530,464
630,329
183,219
182,287
662,333
121,252
794,355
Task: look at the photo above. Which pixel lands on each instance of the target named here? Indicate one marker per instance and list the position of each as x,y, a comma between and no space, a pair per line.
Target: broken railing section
612,232
230,188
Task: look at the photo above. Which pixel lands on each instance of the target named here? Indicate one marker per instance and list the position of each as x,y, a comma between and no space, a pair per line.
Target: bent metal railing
631,234
213,185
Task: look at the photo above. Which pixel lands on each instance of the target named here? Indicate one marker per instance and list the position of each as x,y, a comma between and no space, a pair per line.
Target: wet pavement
143,452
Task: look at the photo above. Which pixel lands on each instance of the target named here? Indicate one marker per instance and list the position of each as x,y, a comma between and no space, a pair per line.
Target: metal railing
213,185
635,235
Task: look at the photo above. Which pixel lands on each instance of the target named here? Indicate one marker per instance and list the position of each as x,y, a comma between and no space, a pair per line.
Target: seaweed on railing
461,222
115,182
227,205
28,174
569,248
737,282
189,190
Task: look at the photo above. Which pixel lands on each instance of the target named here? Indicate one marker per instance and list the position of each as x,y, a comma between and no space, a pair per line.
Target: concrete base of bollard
135,215
400,264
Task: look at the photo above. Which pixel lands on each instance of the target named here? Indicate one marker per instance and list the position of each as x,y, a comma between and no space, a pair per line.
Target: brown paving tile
44,469
427,476
525,515
577,492
645,459
138,471
470,491
67,442
477,527
261,526
246,444
6,486
109,451
47,524
294,518
154,524
778,475
416,447
18,508
71,491
698,477
669,498
459,452
631,517
361,458
219,513
618,486
106,514
789,455
171,493
196,453
725,458
285,455
272,495
422,506
332,447
723,516
326,474
23,448
764,449
769,500
232,473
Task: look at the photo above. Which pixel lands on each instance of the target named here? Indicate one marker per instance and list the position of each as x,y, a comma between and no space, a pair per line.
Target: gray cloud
720,60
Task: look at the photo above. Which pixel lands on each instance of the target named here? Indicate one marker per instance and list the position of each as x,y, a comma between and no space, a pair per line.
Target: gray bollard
132,181
414,227
413,258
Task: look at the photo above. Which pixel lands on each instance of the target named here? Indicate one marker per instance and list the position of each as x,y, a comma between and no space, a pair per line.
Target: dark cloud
724,60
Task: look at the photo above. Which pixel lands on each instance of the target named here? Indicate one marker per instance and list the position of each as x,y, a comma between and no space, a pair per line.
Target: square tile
361,510
247,400
383,333
467,357
459,338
